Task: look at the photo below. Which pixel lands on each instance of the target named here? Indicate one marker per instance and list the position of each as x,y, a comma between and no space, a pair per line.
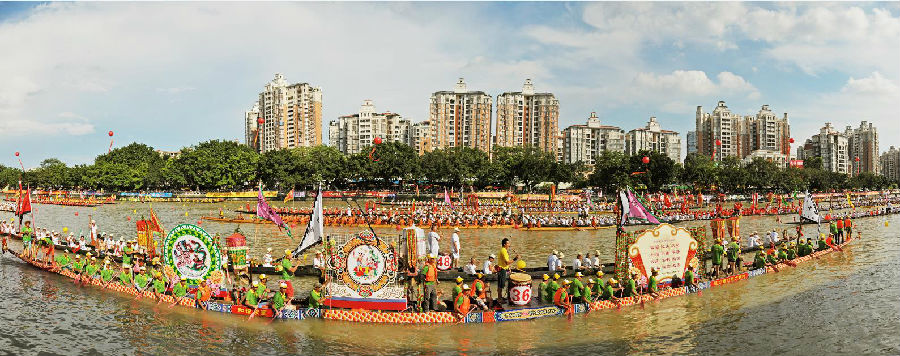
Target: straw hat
283,285
555,276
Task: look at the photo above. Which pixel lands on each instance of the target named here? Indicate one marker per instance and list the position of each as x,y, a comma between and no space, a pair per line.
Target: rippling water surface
842,303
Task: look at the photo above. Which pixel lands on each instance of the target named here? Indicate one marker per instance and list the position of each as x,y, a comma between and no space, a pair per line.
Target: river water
843,303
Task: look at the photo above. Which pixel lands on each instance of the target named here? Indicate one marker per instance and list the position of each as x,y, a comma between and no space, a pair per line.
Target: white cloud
874,86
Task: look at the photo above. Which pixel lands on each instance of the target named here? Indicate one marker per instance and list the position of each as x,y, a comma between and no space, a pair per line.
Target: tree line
225,165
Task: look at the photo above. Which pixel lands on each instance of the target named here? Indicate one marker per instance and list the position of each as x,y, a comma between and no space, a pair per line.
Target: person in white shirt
471,268
586,262
267,258
489,265
596,261
434,241
753,240
454,248
552,261
774,236
576,263
319,261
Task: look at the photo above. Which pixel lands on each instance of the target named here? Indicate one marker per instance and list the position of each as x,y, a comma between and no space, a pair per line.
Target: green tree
611,171
218,164
700,171
527,165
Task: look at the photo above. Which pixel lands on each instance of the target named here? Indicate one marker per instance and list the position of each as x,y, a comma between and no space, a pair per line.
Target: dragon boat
396,317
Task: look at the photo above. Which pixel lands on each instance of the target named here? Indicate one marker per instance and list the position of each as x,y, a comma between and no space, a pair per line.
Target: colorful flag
849,202
446,197
289,196
264,211
153,224
633,208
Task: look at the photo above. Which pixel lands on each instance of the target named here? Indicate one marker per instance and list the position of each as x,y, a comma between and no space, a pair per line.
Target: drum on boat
520,288
444,262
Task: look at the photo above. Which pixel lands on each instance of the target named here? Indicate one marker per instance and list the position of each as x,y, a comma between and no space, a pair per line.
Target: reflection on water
843,303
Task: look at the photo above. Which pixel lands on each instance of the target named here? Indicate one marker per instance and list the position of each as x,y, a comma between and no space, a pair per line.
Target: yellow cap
546,277
556,276
613,281
599,273
262,276
459,279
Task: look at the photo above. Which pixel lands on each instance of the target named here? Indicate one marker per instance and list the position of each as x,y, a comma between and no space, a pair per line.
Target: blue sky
174,74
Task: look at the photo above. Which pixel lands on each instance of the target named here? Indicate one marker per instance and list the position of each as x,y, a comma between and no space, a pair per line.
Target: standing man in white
454,248
434,241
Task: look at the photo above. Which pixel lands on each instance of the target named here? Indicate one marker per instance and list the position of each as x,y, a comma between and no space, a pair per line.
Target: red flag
24,205
666,201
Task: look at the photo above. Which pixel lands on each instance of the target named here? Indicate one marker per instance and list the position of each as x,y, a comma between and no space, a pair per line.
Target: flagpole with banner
315,229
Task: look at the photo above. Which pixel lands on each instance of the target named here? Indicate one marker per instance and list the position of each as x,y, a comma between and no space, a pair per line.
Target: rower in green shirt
140,280
734,250
608,290
63,261
551,289
179,290
576,289
250,298
106,274
542,287
689,276
630,286
315,296
262,291
287,266
125,277
771,259
822,245
586,295
598,285
92,268
456,289
782,256
792,251
77,266
759,261
278,300
653,283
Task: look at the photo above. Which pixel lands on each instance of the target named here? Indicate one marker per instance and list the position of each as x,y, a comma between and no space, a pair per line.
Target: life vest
464,307
848,222
560,298
431,274
475,287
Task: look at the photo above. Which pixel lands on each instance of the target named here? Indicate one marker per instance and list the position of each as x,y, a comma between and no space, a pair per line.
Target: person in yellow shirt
503,264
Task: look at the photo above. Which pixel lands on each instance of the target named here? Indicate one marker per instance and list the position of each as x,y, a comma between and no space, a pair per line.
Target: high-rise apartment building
351,134
291,113
419,137
585,142
526,118
716,136
691,142
890,164
251,127
653,138
723,133
863,144
832,146
460,118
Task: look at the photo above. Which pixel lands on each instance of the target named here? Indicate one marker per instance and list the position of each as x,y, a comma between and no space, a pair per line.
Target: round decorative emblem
369,264
191,253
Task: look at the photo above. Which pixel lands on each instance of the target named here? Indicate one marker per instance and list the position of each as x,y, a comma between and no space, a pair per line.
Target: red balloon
791,140
260,120
377,140
199,222
718,143
17,153
128,218
76,213
645,159
110,133
857,159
